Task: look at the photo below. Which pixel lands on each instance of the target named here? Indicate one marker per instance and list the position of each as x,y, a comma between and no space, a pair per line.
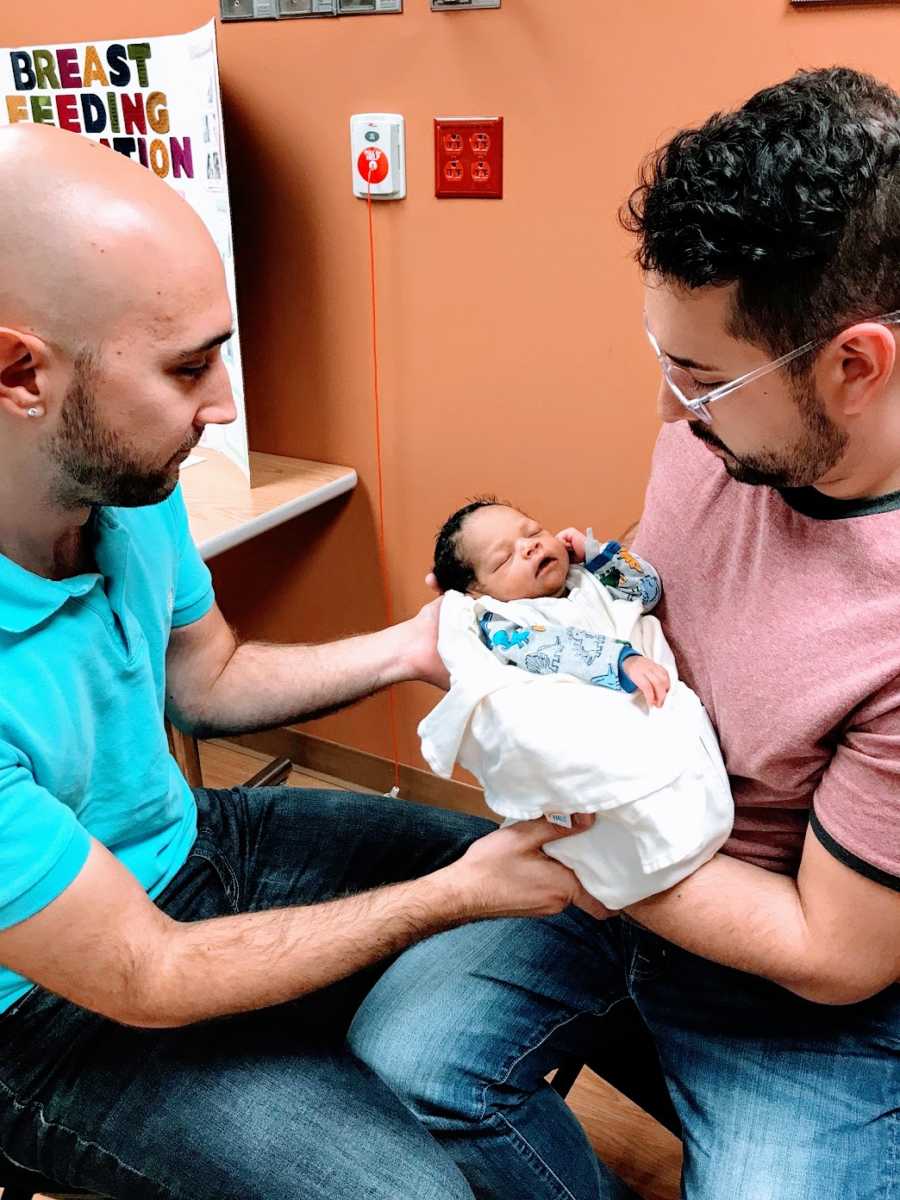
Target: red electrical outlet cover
468,157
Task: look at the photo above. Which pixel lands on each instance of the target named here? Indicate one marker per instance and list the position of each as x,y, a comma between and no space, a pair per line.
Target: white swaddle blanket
545,744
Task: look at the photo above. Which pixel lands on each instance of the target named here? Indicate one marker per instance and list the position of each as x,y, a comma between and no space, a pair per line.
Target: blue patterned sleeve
559,650
625,574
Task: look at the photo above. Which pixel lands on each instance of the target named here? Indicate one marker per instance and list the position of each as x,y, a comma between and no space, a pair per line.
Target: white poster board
157,101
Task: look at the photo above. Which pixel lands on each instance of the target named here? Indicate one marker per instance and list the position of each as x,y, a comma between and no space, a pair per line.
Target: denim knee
426,1053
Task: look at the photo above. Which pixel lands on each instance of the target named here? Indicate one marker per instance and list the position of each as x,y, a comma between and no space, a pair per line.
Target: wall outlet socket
468,158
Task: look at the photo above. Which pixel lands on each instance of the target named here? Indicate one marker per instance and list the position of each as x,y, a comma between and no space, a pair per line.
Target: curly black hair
795,197
452,571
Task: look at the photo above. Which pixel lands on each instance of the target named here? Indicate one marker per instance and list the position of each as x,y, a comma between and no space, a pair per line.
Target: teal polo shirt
83,750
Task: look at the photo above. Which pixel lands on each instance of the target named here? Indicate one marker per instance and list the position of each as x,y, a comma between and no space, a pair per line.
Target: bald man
132,910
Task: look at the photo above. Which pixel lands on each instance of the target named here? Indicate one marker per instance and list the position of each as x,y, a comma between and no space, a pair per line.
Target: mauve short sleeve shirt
783,610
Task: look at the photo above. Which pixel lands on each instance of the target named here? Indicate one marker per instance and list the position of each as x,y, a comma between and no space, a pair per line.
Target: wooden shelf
224,511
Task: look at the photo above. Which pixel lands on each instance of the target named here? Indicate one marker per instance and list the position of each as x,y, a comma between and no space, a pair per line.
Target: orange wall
512,353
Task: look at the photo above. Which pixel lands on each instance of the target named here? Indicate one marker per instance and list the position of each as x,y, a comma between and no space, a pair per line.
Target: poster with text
157,101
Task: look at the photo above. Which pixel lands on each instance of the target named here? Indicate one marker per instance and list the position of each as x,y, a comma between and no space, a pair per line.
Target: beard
820,446
95,466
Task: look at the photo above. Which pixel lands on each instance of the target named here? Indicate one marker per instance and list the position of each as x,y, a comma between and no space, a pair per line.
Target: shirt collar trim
810,502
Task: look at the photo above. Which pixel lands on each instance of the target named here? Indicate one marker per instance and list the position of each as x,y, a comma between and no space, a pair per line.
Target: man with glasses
769,239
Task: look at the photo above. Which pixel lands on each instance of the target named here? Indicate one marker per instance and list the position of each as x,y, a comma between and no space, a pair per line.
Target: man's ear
861,365
24,359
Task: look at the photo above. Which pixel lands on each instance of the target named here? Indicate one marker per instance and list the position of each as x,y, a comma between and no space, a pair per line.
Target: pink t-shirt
783,610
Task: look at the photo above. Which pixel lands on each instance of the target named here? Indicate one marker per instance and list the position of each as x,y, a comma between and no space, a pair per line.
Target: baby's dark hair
452,571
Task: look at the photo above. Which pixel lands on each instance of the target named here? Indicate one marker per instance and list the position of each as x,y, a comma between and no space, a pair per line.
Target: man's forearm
104,945
829,936
737,915
263,685
234,964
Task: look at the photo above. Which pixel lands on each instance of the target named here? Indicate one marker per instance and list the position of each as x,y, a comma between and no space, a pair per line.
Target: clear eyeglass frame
680,382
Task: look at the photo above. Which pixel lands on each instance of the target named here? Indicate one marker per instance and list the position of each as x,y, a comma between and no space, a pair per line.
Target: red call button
372,164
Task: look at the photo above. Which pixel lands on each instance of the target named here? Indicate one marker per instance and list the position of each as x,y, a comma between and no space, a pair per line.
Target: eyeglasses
696,396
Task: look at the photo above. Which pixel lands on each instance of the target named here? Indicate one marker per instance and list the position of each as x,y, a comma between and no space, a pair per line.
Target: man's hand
507,874
421,634
651,680
575,542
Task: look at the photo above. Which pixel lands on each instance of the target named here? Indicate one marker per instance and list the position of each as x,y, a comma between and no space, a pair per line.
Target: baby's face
512,556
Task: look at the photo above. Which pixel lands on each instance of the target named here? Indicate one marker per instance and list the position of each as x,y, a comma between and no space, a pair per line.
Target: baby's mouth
545,562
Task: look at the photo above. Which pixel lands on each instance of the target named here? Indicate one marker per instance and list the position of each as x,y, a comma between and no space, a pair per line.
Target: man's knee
419,1069
422,1051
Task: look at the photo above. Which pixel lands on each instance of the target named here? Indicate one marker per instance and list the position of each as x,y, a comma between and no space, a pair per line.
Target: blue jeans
779,1099
268,1106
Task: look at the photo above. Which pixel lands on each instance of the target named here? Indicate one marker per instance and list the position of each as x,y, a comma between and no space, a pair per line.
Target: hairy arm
831,935
104,945
216,685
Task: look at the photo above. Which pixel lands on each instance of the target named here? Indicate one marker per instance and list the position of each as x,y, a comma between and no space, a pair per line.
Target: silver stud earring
34,412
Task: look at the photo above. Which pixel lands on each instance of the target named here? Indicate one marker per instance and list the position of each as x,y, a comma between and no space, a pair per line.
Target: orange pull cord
382,545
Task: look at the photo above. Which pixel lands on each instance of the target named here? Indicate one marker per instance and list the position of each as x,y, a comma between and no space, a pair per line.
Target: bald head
113,312
92,240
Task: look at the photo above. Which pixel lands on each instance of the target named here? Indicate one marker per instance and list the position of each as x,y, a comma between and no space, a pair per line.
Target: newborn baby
565,698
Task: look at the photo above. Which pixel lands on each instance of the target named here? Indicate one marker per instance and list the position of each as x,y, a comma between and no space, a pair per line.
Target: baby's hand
651,680
574,541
